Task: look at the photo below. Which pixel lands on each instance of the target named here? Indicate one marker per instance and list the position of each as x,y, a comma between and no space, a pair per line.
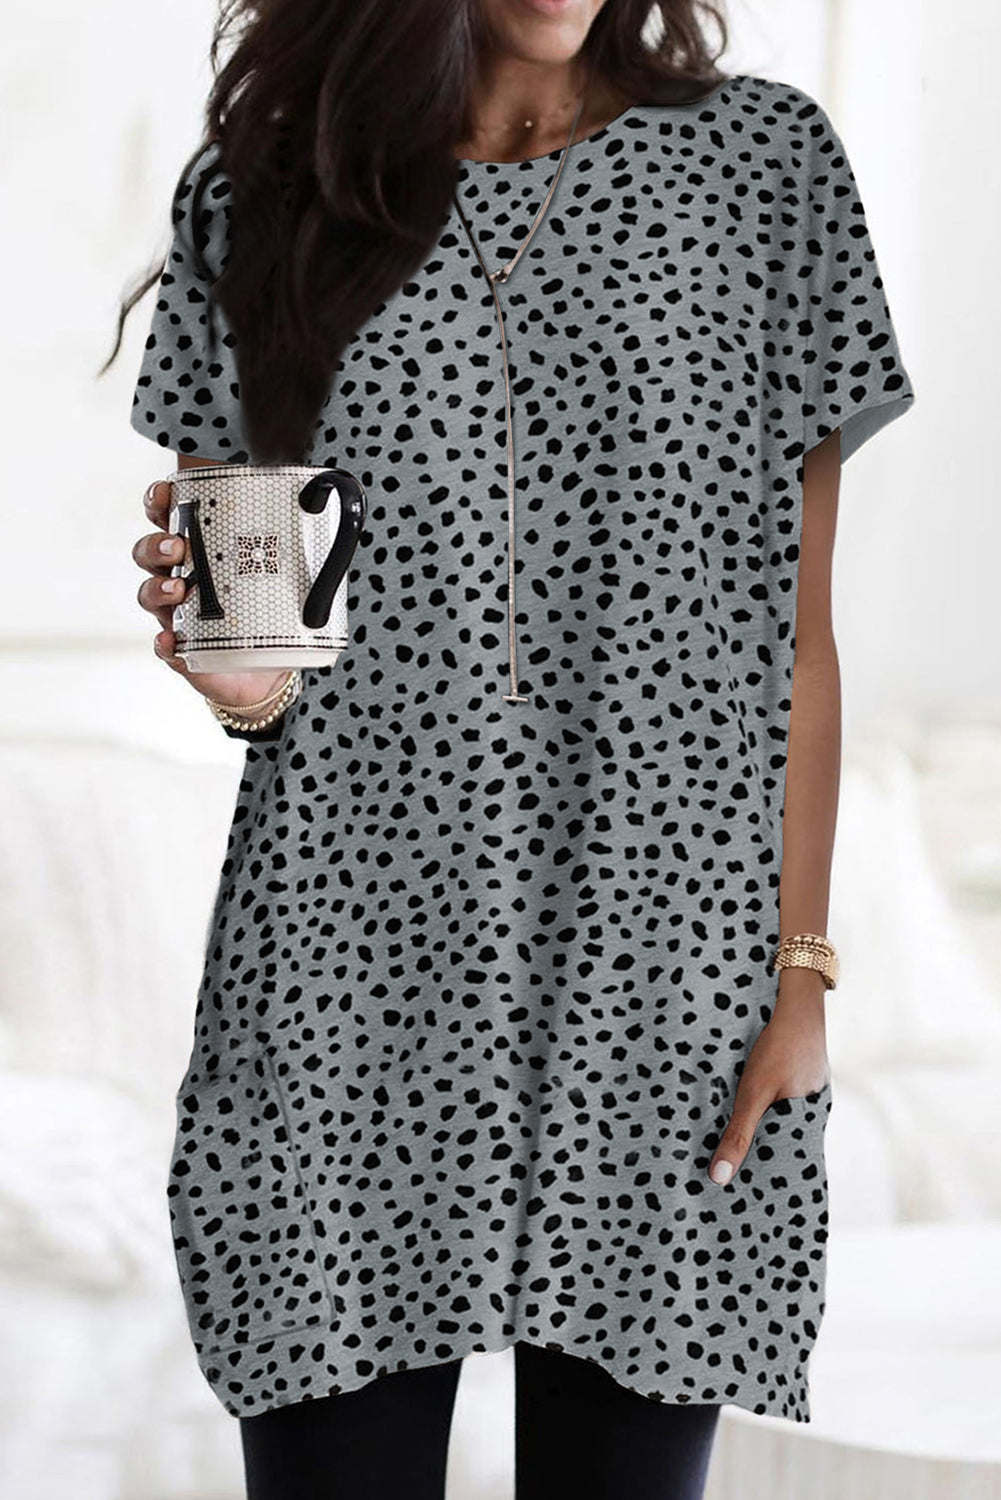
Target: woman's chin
542,30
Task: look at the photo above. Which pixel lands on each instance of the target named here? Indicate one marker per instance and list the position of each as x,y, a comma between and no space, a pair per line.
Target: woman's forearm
813,765
813,775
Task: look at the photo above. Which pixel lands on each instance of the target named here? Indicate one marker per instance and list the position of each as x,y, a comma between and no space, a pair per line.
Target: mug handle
313,498
200,577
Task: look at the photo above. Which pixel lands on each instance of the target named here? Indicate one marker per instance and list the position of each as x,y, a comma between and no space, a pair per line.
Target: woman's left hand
788,1059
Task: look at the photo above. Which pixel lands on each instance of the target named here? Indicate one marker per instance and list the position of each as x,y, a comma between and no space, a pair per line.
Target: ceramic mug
266,557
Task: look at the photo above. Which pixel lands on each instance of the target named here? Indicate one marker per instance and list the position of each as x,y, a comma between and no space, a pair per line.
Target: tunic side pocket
787,1161
248,1260
813,1108
792,1129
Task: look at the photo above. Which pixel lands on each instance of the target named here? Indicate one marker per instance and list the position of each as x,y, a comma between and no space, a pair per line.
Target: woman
496,1045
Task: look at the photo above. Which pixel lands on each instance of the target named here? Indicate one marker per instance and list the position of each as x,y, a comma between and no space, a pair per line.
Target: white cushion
109,865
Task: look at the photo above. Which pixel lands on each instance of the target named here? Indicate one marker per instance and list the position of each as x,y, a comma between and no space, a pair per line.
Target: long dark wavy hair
337,122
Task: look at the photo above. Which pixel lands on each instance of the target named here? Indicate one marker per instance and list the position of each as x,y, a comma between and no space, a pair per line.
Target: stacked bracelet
808,950
234,715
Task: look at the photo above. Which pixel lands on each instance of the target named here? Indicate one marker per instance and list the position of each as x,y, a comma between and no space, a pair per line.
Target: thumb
163,646
736,1140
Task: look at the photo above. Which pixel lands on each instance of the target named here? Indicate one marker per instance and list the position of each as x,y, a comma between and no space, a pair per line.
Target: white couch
100,1397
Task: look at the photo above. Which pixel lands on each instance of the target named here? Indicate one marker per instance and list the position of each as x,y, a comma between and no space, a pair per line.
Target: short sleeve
853,375
187,395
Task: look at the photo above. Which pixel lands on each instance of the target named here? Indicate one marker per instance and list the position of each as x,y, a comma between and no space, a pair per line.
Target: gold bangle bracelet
808,950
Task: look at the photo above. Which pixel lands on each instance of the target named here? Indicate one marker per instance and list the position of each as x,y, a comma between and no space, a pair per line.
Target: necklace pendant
501,274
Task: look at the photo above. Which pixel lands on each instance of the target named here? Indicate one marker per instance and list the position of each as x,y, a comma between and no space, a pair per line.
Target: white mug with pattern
267,551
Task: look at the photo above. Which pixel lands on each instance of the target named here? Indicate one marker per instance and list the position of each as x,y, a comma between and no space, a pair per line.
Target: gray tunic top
481,978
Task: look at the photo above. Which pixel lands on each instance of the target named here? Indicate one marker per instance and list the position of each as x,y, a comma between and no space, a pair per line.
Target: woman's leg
383,1442
577,1432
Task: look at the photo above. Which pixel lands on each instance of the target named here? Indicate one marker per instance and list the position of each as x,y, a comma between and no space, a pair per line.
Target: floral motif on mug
257,553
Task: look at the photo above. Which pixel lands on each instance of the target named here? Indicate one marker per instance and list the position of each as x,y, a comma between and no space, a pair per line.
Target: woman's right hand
156,553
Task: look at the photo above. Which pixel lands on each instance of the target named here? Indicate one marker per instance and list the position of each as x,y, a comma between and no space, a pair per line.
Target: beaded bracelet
282,698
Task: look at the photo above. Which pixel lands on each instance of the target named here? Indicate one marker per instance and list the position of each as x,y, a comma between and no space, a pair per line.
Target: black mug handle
313,498
200,576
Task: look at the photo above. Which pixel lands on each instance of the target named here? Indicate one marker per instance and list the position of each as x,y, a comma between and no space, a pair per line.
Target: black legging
577,1432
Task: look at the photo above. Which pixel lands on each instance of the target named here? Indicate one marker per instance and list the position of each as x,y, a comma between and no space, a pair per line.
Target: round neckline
601,132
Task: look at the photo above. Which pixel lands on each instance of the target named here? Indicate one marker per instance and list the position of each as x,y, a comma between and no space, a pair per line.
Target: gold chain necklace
501,274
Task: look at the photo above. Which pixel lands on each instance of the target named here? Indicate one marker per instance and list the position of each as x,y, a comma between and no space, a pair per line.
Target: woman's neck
521,109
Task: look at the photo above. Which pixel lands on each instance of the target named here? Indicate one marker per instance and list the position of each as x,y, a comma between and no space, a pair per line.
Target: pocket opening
814,1096
244,1241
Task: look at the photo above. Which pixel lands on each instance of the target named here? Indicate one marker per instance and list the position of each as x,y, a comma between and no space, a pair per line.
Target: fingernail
172,585
722,1172
167,545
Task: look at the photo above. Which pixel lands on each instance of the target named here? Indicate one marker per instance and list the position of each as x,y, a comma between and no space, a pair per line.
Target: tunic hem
791,1402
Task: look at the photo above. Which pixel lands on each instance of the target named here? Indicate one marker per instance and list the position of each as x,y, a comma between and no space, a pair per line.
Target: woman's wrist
259,697
261,713
803,991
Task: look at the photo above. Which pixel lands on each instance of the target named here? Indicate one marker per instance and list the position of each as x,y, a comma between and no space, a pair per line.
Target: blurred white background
112,772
